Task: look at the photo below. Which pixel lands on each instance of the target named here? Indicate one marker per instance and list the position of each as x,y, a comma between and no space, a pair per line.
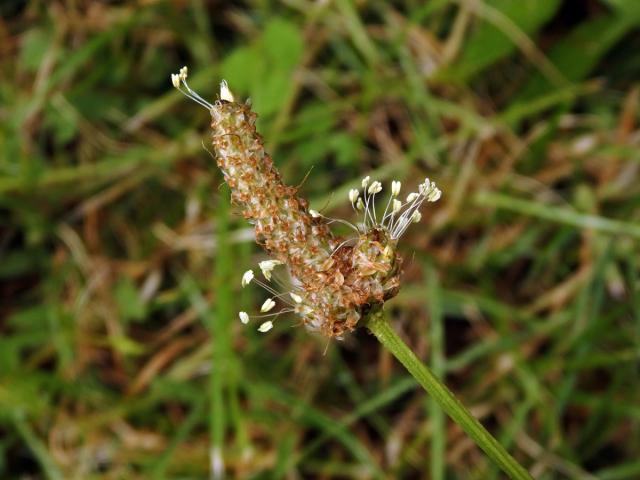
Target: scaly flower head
334,280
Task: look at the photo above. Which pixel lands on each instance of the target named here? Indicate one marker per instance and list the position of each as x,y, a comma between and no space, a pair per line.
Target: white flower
296,298
244,318
225,93
247,277
375,187
353,195
395,188
266,326
267,267
267,305
365,181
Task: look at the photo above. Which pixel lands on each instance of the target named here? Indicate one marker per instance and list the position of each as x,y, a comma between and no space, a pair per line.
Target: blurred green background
121,354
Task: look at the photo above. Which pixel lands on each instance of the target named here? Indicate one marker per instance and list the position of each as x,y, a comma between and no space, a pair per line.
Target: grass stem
379,326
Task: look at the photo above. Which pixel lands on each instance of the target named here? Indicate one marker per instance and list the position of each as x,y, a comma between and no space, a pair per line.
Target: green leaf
489,43
241,68
34,46
126,345
129,302
580,51
630,8
265,68
283,44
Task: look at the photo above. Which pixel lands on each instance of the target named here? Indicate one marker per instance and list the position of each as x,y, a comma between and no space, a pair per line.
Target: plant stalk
377,323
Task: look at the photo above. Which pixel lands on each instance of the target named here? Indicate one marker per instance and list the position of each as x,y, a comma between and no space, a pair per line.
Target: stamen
375,187
267,305
353,195
265,327
247,277
412,197
179,81
345,222
267,267
395,188
244,317
267,287
225,93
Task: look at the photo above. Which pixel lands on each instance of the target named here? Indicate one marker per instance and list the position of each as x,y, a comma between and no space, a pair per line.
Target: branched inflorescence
331,281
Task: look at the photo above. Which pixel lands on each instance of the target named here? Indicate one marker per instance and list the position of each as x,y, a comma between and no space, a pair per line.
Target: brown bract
336,281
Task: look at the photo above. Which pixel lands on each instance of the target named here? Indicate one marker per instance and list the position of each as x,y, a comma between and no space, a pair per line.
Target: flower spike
334,280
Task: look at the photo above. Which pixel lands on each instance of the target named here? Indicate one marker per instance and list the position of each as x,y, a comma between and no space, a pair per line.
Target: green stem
378,325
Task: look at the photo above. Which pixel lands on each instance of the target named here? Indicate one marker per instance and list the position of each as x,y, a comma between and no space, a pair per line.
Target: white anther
267,305
225,93
296,298
267,267
397,205
265,327
365,181
375,187
354,193
412,197
244,318
183,73
314,213
359,204
416,217
175,80
395,188
435,195
247,277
